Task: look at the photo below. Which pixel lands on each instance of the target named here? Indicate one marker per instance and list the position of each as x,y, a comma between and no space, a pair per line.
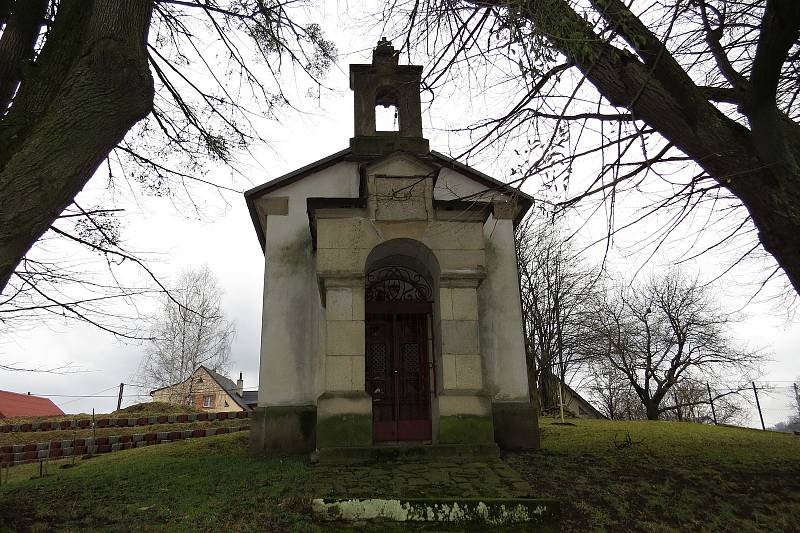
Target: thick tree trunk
758,167
652,411
49,154
16,45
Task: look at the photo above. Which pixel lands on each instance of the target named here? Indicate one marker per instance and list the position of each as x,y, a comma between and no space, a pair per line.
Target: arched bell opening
401,284
387,105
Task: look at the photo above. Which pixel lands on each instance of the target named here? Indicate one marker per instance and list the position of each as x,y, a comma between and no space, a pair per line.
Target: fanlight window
396,283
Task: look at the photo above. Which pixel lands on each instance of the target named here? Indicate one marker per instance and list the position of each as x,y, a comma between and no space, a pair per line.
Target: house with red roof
14,404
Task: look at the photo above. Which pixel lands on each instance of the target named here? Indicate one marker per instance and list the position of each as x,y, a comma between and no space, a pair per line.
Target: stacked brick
86,423
27,453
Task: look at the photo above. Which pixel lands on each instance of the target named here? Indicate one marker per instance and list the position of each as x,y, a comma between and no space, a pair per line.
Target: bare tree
555,285
186,335
693,102
689,402
613,393
662,331
151,89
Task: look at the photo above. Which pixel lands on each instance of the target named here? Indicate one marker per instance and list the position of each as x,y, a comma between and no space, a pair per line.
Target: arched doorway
399,297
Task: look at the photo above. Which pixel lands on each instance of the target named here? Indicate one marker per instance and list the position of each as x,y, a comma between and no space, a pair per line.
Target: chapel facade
391,308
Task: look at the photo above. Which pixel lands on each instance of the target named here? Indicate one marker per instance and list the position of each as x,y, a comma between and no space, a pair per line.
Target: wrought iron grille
396,283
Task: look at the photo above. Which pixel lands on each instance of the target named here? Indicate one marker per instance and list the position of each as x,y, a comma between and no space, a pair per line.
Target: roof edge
284,180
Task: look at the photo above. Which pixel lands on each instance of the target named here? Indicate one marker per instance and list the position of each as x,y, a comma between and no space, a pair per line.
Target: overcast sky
227,242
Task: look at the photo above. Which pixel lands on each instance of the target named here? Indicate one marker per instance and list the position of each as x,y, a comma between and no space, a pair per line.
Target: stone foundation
465,429
516,425
284,429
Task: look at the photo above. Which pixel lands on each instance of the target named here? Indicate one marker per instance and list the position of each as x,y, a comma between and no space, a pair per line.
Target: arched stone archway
400,280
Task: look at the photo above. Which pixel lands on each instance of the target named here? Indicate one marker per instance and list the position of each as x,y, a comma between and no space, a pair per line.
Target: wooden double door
398,369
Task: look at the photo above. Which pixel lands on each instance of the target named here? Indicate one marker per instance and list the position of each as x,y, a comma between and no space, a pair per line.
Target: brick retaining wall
17,454
86,423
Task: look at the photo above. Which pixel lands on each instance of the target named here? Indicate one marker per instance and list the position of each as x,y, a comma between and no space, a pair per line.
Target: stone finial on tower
384,53
386,84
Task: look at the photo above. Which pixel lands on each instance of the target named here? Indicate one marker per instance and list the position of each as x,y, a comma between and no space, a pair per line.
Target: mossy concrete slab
493,511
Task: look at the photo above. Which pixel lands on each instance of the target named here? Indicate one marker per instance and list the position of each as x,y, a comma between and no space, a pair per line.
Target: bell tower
385,84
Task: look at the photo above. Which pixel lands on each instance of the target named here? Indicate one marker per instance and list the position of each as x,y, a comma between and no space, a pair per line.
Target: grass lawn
666,477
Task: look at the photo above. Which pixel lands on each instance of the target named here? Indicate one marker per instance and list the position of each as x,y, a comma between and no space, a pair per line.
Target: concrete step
404,453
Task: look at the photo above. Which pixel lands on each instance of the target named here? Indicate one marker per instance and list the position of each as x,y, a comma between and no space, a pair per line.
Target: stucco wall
292,337
501,315
293,332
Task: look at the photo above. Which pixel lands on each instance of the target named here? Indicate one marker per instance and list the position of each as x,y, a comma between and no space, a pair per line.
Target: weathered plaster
291,353
501,330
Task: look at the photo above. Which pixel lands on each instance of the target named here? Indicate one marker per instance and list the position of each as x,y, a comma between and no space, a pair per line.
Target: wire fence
772,405
767,405
131,393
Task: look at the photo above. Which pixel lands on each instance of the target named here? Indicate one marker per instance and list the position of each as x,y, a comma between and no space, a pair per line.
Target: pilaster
465,414
344,410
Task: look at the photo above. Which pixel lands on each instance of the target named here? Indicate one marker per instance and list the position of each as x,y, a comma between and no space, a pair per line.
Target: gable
400,164
339,176
452,185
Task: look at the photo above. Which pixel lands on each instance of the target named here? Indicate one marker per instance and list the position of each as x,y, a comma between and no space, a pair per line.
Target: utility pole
755,391
711,401
796,398
119,400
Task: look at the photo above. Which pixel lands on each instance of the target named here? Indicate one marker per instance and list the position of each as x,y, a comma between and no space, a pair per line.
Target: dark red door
397,376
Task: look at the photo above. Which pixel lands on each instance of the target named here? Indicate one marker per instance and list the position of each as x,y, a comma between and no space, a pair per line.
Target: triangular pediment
400,164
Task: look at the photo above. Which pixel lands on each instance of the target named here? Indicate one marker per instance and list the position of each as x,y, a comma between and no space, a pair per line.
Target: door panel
397,376
379,379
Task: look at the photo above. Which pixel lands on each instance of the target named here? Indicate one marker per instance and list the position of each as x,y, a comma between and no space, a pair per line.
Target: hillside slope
612,476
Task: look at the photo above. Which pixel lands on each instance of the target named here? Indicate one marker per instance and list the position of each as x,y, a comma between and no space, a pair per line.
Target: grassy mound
139,409
69,434
208,484
155,408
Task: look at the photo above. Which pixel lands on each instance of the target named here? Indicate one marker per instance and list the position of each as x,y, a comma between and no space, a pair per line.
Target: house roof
228,386
438,159
250,396
584,401
15,404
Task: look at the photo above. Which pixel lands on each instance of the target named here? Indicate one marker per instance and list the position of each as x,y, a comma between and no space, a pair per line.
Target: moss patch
344,430
465,429
283,429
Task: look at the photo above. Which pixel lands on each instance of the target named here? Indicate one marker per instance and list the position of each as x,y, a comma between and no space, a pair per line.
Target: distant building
14,404
575,405
210,391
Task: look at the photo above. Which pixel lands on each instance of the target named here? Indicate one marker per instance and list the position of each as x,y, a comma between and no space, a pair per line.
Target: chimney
240,385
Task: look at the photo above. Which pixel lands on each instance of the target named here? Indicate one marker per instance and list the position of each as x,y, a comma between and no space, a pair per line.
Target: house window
208,400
